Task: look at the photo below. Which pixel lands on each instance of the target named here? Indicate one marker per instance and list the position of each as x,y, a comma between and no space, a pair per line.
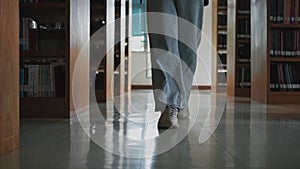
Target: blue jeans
174,57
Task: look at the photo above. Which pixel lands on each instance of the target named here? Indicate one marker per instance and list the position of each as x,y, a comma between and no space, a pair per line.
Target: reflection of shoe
168,118
184,113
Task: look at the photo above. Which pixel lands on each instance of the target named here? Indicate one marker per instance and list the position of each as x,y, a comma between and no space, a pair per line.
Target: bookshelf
275,51
98,20
239,49
9,76
49,46
219,40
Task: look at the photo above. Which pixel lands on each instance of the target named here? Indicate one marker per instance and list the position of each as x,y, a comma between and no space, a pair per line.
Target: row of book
243,7
222,4
30,39
30,1
222,41
27,32
285,43
42,80
244,77
244,53
285,76
222,20
285,11
244,29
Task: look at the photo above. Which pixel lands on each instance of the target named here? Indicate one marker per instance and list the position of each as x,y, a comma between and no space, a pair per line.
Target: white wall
138,68
203,72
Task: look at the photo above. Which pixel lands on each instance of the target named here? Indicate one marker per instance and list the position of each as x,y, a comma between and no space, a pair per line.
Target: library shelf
248,64
43,5
284,25
50,53
243,40
219,41
282,59
54,41
241,16
263,70
239,48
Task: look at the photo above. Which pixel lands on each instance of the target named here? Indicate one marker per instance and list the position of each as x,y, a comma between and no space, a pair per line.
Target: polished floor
223,133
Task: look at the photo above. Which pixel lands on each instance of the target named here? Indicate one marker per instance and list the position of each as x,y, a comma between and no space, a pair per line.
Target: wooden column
259,52
214,59
9,75
231,47
79,38
110,34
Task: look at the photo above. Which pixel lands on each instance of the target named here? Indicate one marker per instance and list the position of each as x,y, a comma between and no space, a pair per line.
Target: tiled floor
244,135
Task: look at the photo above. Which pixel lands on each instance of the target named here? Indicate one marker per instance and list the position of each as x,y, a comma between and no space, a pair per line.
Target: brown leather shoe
168,118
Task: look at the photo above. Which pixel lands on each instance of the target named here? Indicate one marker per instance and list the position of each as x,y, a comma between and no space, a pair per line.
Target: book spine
52,81
36,81
30,80
21,82
287,11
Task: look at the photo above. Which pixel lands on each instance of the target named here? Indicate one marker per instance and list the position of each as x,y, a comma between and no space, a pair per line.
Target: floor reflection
242,134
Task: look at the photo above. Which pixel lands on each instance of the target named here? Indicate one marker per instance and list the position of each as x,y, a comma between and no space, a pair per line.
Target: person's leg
165,58
191,11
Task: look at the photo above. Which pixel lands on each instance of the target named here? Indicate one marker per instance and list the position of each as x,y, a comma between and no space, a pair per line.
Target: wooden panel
79,36
214,59
9,76
284,98
231,47
35,108
242,92
110,32
141,87
259,53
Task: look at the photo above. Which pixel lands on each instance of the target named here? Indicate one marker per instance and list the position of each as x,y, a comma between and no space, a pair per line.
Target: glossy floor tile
222,133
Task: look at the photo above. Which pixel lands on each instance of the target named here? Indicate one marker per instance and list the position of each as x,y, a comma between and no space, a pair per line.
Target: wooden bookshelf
263,59
238,40
56,39
219,36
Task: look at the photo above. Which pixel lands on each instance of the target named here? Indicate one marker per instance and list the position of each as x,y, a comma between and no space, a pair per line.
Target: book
243,7
42,80
244,29
287,8
244,77
284,76
243,53
28,34
284,11
222,41
284,43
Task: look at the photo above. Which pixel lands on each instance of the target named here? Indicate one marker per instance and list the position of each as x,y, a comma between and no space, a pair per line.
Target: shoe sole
167,126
